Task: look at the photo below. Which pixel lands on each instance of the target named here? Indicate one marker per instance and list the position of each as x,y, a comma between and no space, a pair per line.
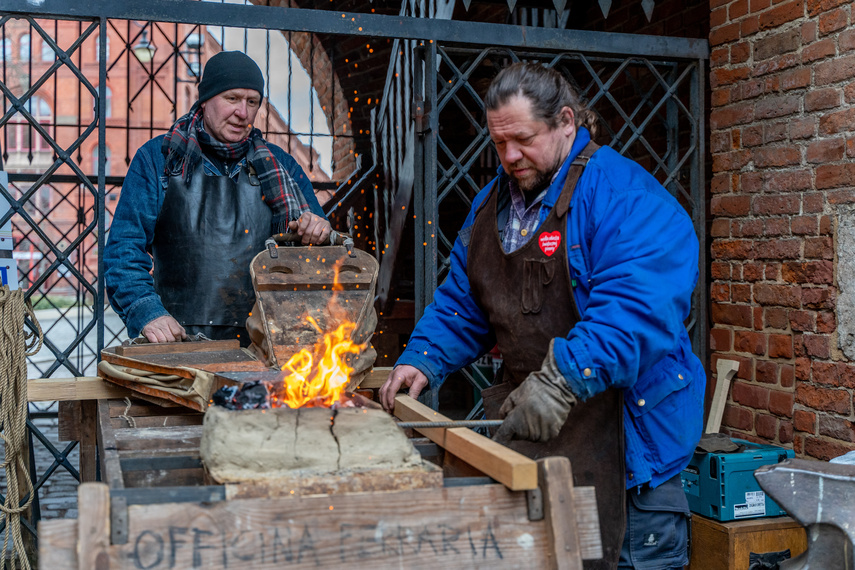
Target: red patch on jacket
549,242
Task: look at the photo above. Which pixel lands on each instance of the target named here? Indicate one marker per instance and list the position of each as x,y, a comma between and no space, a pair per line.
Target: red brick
720,227
827,373
758,318
787,181
780,346
752,136
787,375
738,417
720,184
808,31
730,206
779,106
749,26
799,444
735,315
826,322
781,403
739,53
803,321
819,248
819,298
773,65
833,21
720,141
751,342
845,375
725,34
813,203
720,97
795,79
804,225
731,115
718,17
737,9
785,431
750,395
827,150
815,272
850,147
740,292
776,44
720,292
782,14
798,346
766,371
747,90
817,346
832,123
804,421
801,371
835,70
772,271
822,99
776,205
720,270
721,340
773,227
755,6
834,175
819,50
732,249
777,249
825,225
838,428
766,426
775,318
823,449
846,40
837,197
815,7
774,132
802,128
824,399
752,272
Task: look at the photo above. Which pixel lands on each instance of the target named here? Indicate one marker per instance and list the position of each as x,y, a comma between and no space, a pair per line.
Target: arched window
107,165
47,52
6,51
25,47
23,138
108,102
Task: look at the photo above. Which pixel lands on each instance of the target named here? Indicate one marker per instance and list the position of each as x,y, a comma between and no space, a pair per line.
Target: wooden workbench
153,509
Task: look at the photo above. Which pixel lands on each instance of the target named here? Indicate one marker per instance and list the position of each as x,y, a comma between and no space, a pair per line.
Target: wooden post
88,440
556,483
93,524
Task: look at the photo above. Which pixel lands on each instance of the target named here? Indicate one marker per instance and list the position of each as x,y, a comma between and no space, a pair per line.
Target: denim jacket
127,259
633,259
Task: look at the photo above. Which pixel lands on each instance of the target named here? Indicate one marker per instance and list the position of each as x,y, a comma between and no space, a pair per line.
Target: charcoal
250,396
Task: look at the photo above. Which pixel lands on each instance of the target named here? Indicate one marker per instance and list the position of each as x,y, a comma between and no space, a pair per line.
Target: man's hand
312,228
164,329
400,376
537,410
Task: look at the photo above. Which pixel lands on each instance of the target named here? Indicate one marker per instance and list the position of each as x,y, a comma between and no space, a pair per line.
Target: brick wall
781,135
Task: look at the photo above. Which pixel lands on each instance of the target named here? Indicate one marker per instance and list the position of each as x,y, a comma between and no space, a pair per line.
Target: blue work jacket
633,258
127,263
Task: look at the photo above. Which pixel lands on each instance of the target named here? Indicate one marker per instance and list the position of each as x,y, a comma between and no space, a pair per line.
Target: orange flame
319,377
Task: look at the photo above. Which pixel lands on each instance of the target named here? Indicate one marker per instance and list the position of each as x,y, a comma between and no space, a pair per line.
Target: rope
16,344
131,421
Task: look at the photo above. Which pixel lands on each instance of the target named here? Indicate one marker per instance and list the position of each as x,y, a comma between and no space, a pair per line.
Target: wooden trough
492,508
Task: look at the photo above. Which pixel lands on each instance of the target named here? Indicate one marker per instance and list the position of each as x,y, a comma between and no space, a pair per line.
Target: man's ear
567,118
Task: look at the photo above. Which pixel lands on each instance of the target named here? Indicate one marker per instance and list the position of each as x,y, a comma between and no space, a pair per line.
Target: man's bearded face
529,149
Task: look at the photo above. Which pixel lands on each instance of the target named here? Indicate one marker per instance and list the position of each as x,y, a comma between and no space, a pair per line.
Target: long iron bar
450,424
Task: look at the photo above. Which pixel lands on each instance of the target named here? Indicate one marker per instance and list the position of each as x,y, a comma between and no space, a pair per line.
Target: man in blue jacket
199,202
581,267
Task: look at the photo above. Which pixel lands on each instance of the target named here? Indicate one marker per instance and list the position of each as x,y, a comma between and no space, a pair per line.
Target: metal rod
450,424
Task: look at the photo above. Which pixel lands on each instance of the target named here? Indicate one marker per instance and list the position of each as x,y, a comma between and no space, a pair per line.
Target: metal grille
649,109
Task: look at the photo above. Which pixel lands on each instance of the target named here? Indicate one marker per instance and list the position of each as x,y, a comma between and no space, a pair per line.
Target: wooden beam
514,470
559,510
376,378
93,523
70,389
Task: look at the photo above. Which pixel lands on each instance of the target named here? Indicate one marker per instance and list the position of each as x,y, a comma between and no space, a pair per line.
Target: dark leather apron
205,238
528,297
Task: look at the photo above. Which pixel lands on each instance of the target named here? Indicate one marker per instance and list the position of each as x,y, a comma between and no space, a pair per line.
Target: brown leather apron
528,298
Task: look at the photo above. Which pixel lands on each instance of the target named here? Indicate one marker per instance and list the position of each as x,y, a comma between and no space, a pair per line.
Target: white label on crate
754,506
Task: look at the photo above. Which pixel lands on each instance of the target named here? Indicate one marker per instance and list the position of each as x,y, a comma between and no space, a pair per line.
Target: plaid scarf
183,146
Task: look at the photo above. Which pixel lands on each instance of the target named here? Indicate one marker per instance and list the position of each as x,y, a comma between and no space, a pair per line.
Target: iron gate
649,84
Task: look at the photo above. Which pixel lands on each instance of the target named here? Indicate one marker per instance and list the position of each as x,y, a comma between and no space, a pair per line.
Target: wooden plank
483,526
376,378
159,421
556,483
58,543
140,408
510,468
111,469
93,526
182,363
69,389
725,370
88,441
588,522
172,347
155,394
68,420
178,437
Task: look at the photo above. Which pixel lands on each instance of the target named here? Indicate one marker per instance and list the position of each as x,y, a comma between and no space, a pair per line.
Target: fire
318,377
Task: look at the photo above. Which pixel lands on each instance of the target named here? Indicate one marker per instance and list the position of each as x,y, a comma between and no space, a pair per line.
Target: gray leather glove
537,410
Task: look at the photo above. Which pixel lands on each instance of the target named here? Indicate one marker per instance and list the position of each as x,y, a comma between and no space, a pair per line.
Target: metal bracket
420,114
118,520
534,499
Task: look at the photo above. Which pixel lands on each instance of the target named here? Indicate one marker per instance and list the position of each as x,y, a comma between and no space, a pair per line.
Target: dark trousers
657,526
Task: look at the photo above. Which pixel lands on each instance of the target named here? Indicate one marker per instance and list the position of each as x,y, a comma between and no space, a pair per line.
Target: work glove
538,408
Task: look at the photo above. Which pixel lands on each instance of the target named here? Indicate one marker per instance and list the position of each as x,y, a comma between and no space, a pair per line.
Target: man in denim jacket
196,206
581,267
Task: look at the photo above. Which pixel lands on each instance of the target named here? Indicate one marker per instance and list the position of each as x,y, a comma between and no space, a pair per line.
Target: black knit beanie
230,70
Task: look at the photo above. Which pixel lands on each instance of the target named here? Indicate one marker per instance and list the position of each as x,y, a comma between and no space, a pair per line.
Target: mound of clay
252,445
